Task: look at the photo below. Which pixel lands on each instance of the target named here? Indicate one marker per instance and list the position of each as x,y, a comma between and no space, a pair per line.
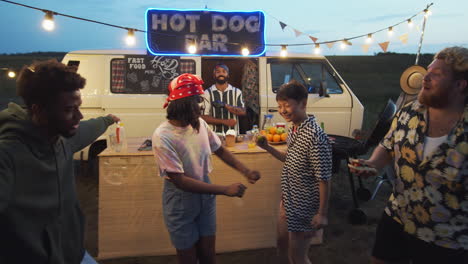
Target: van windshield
312,75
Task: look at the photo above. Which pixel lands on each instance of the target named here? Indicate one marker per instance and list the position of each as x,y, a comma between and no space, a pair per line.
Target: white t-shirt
431,144
183,150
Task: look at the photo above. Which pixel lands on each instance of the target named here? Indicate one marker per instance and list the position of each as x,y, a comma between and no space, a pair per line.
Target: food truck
132,84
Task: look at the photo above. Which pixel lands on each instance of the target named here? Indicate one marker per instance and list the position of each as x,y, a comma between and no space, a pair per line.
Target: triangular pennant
297,32
283,25
365,47
313,39
384,45
330,44
404,38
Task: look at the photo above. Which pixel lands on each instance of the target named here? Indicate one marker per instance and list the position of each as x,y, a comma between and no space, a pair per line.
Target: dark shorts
392,243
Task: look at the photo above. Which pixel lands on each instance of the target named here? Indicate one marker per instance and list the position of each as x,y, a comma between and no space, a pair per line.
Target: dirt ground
343,242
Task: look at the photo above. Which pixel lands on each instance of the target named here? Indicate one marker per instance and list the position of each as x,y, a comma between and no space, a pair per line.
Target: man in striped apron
224,103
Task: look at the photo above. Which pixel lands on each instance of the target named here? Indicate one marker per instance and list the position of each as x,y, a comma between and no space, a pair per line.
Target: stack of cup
231,138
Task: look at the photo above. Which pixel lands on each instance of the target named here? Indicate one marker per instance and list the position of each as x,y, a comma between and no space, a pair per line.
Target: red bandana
184,85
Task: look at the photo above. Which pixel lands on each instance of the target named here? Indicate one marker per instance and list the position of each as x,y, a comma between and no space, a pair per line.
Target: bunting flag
365,47
330,44
313,39
384,45
283,25
297,32
404,38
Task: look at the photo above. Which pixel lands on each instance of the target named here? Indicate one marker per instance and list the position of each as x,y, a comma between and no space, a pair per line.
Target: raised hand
236,189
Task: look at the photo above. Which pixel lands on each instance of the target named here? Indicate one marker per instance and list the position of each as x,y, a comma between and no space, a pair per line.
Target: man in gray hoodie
40,217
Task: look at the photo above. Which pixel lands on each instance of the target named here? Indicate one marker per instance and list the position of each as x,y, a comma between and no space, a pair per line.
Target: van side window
121,82
311,74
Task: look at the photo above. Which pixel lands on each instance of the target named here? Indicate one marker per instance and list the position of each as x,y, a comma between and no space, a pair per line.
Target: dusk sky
326,20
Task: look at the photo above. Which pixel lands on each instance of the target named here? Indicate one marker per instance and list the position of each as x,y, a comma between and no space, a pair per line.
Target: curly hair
186,110
41,82
457,58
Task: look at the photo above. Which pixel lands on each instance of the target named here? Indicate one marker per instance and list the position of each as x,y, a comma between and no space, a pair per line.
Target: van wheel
93,165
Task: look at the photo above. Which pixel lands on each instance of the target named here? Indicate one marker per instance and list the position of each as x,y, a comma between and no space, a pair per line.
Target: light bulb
369,38
343,44
245,52
317,49
283,52
410,23
192,48
48,22
390,31
130,38
427,12
11,74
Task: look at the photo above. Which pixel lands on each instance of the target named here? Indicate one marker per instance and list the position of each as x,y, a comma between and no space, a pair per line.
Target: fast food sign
215,33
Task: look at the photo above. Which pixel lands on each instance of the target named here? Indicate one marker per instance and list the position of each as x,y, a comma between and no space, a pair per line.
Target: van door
329,99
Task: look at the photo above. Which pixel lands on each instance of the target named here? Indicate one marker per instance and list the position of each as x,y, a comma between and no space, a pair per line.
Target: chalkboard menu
150,74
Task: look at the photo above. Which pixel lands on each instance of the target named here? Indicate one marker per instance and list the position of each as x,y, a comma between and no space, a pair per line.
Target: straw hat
411,79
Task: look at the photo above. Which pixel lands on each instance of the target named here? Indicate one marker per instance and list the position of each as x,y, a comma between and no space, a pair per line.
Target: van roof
143,52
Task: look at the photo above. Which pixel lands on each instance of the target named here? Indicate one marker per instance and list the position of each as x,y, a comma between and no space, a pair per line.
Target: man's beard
435,101
223,80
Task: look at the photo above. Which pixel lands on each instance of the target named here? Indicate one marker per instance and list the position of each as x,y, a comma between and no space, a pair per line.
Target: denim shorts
188,216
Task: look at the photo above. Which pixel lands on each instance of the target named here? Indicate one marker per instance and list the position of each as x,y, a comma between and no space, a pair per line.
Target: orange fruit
263,132
273,130
269,137
276,138
284,136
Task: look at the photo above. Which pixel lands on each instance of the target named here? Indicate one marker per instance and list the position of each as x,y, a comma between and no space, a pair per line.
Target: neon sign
210,32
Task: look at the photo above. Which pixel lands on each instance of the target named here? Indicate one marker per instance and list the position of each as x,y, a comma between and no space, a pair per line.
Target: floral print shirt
430,196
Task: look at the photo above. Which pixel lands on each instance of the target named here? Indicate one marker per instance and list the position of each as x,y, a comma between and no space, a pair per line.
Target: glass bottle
267,122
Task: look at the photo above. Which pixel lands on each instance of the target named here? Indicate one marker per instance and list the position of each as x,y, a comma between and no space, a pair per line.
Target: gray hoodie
40,217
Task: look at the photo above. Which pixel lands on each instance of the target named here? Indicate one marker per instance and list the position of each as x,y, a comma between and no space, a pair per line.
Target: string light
427,12
48,22
192,47
390,31
369,38
130,38
284,51
11,74
245,51
344,43
317,48
410,23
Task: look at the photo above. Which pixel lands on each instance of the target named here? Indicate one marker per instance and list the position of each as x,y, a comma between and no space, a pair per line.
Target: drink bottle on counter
121,137
267,122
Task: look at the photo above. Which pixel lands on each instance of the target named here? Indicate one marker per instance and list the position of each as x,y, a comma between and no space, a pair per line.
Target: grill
346,147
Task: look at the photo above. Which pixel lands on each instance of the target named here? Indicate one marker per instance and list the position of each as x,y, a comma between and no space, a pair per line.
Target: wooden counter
130,221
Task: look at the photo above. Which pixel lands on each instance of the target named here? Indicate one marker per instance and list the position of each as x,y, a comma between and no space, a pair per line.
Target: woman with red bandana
182,146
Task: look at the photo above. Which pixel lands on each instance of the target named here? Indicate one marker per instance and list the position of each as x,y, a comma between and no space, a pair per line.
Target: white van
133,84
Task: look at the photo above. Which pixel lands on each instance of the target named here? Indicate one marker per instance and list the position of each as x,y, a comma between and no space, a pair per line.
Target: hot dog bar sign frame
215,33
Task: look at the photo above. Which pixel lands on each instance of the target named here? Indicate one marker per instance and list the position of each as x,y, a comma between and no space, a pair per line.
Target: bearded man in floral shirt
426,219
